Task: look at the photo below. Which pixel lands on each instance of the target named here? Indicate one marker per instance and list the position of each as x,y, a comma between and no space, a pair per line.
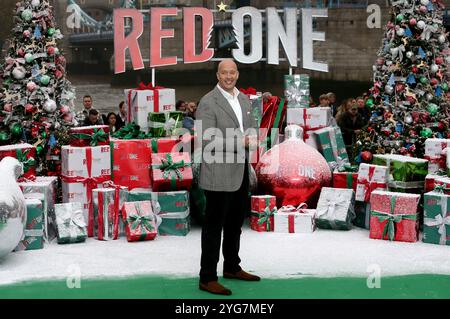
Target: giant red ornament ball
293,171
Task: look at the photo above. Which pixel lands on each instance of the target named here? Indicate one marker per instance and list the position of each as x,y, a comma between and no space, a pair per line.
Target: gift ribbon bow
392,219
98,135
130,131
440,221
291,217
26,162
142,222
329,211
266,214
171,169
398,51
248,91
440,188
75,220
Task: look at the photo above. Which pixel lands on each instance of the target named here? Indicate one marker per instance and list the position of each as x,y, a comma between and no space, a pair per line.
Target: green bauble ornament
426,132
400,17
444,86
4,137
433,108
45,80
27,15
369,103
423,80
16,129
51,31
39,149
29,57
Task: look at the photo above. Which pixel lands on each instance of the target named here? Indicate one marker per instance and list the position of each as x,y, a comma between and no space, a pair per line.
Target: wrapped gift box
263,208
296,90
174,224
121,195
394,216
161,124
34,228
335,208
172,202
106,218
140,221
25,154
436,228
89,161
345,180
331,145
435,153
70,223
144,100
309,118
140,194
402,168
174,211
46,187
289,219
165,144
171,171
94,135
370,178
131,161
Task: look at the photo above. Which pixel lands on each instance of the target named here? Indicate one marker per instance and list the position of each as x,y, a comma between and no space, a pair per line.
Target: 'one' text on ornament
276,32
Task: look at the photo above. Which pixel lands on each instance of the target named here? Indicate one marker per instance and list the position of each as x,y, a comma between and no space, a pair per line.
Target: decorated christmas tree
409,98
36,100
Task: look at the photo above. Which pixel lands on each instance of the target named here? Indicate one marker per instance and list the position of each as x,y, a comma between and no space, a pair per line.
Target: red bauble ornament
412,22
414,69
58,74
293,171
441,126
399,87
51,50
29,108
7,107
64,109
380,61
439,60
412,133
448,95
396,134
21,52
434,81
366,156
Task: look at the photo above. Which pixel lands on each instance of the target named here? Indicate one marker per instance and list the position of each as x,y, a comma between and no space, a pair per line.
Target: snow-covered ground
323,253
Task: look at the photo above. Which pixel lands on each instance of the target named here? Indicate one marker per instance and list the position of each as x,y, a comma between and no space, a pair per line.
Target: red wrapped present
370,178
131,161
394,216
25,154
140,221
95,135
171,171
263,207
430,181
345,180
164,144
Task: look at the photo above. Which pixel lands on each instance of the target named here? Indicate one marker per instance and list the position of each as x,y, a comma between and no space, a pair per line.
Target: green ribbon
99,135
349,177
131,131
266,214
154,143
440,188
143,222
392,219
276,122
26,162
171,169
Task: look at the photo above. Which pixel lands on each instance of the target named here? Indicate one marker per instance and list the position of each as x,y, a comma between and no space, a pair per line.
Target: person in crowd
180,106
365,113
121,118
324,101
82,115
311,102
347,103
111,120
351,123
189,118
93,118
332,101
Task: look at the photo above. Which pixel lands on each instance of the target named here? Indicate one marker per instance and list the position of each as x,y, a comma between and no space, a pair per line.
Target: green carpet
155,287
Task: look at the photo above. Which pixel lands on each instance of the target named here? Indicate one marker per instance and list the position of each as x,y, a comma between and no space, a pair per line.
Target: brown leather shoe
241,275
215,288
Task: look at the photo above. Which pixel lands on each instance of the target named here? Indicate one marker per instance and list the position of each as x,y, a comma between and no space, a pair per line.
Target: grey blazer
223,157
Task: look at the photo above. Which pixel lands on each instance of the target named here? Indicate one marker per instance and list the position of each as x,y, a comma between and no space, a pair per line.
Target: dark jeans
227,211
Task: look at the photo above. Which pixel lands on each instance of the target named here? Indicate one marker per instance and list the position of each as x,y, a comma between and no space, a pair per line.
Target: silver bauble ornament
13,213
434,68
19,73
408,118
400,32
388,89
421,24
35,3
49,106
441,38
424,2
409,54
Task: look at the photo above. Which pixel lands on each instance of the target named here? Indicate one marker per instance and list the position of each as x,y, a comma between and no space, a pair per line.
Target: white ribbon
33,232
71,222
440,221
426,33
398,51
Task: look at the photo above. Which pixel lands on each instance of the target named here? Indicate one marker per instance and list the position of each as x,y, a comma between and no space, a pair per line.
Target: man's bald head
227,75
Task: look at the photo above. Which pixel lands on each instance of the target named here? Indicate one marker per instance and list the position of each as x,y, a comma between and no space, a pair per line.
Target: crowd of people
351,115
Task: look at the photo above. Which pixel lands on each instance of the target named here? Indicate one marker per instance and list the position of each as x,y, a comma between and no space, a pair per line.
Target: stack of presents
137,185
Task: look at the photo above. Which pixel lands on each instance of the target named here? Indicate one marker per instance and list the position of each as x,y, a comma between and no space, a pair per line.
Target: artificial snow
324,253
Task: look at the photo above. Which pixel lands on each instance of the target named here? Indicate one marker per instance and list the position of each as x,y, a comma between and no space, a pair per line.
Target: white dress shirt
234,102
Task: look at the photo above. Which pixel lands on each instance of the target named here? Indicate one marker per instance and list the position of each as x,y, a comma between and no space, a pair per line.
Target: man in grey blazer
224,116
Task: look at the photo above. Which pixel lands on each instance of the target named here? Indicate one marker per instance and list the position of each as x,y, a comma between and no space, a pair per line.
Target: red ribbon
248,91
90,183
110,184
441,160
291,223
370,186
143,87
100,216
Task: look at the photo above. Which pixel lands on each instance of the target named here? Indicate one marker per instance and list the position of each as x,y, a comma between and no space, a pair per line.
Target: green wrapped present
139,195
70,223
335,208
331,145
436,228
402,169
175,224
172,202
296,90
161,124
34,229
